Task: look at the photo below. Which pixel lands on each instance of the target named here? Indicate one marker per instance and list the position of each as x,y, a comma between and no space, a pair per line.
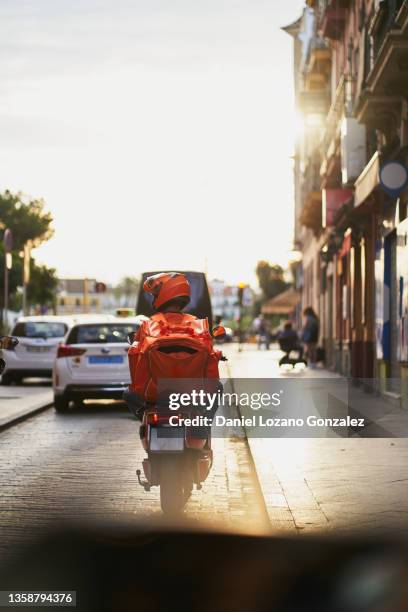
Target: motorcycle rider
171,293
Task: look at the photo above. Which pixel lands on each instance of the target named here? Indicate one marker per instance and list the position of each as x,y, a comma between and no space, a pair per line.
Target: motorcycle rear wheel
172,497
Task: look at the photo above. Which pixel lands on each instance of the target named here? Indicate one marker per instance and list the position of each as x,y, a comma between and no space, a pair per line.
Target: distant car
35,353
200,303
92,361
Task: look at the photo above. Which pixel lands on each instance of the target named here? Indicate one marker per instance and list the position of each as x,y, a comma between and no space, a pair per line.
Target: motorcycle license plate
166,439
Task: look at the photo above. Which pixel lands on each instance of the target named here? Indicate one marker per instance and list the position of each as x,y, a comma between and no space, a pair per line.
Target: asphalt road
82,466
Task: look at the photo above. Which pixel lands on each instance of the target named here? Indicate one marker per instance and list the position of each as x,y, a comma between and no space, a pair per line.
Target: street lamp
8,263
26,273
240,295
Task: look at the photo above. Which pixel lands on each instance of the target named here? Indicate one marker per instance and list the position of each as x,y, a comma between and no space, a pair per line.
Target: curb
24,414
257,482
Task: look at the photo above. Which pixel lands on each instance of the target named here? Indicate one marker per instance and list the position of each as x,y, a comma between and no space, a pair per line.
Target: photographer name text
258,420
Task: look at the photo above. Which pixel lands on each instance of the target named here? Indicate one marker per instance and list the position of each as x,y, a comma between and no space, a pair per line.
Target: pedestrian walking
310,335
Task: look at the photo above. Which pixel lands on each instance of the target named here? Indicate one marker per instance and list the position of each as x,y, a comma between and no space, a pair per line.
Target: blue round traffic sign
394,178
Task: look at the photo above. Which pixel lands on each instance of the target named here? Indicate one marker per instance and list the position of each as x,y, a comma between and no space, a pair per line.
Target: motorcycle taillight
153,418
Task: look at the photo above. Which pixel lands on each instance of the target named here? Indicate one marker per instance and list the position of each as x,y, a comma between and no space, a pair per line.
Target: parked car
200,303
38,338
92,361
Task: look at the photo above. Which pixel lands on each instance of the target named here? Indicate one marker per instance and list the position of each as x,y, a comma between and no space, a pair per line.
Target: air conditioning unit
353,149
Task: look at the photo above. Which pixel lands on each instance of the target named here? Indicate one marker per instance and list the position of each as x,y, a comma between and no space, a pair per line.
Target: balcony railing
384,21
388,70
331,4
318,67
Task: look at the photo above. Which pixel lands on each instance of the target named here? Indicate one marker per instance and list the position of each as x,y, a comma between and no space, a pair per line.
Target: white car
92,362
35,353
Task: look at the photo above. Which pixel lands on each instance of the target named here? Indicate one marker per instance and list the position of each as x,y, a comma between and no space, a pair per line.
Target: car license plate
37,349
170,439
99,359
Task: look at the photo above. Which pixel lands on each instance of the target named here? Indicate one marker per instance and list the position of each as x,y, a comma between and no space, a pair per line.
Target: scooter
179,456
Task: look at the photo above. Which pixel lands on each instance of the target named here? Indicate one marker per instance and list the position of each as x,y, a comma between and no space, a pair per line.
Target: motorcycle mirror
219,332
130,337
8,343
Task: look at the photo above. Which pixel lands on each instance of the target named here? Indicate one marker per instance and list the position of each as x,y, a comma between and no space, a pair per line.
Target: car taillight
65,350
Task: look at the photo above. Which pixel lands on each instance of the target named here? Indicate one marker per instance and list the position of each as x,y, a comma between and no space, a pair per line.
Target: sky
159,133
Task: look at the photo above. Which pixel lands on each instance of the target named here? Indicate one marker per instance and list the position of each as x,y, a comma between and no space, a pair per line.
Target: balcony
323,5
380,112
314,102
385,19
333,15
311,214
386,85
389,73
318,70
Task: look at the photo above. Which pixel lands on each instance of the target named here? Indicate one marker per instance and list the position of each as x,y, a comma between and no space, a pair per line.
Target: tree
271,279
42,288
126,291
28,220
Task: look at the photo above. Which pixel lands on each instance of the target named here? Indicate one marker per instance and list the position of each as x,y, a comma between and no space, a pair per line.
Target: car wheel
7,379
61,404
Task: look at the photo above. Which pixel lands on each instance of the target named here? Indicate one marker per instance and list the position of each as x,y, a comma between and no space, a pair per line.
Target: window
100,333
40,329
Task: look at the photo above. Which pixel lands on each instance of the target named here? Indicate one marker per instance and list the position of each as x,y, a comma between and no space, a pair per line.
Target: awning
332,200
282,304
368,180
346,246
342,218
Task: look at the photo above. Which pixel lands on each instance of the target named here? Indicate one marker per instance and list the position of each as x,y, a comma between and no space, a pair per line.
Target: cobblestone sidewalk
327,484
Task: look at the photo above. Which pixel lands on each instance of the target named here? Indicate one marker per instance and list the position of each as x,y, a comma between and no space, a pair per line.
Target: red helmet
166,287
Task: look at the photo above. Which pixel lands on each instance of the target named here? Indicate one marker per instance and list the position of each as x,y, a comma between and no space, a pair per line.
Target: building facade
78,295
224,300
351,76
